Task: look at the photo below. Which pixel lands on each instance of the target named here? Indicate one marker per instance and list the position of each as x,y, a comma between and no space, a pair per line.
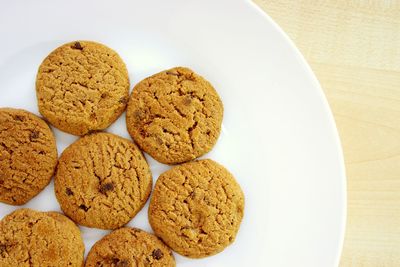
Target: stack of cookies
103,180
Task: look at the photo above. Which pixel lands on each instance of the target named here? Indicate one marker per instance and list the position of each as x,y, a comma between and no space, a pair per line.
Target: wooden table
354,49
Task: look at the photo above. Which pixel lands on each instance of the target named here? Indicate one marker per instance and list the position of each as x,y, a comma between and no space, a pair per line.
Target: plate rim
339,148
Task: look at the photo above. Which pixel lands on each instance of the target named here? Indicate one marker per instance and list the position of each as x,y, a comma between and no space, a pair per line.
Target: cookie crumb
106,187
120,263
123,100
19,118
173,72
34,135
77,45
83,207
157,254
2,248
69,192
187,100
137,114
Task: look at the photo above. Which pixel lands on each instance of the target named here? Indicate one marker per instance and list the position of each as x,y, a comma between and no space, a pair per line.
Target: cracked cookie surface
175,115
102,181
196,208
130,247
28,155
82,86
33,238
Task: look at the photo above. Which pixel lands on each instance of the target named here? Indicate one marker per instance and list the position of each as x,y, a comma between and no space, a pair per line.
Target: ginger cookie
175,115
82,86
33,238
28,155
130,247
102,181
196,208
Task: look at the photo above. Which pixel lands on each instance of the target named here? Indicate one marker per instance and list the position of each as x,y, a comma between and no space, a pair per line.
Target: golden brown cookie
28,155
196,208
175,115
130,247
82,86
102,181
33,238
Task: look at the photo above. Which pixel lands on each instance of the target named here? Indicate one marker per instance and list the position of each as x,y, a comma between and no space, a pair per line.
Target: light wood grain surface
354,49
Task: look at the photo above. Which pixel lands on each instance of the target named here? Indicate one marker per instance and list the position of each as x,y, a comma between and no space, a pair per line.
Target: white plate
279,138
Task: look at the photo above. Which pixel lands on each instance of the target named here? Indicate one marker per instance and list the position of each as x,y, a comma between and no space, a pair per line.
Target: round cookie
196,208
130,247
82,86
33,238
28,155
102,181
175,115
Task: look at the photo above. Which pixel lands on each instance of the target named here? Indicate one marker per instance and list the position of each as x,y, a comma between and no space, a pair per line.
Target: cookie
28,155
175,115
82,86
196,208
130,247
33,238
102,181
